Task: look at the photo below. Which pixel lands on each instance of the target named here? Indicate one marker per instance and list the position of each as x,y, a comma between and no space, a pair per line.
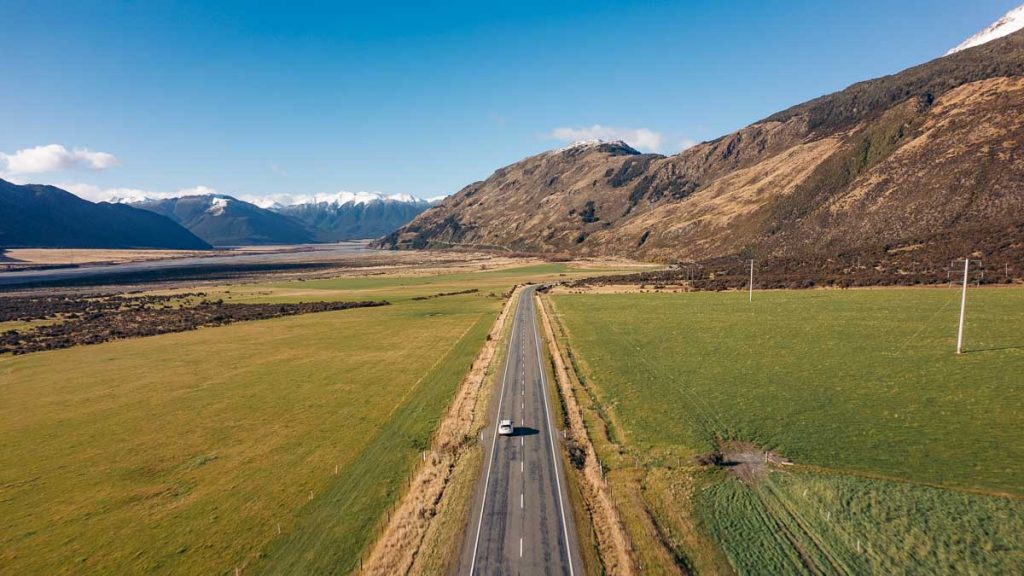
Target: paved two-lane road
521,522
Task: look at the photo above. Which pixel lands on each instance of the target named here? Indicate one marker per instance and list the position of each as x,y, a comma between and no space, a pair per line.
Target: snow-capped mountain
347,216
1008,24
129,197
594,143
39,216
223,220
278,201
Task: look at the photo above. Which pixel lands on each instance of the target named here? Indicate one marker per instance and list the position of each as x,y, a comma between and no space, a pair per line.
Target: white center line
520,547
521,500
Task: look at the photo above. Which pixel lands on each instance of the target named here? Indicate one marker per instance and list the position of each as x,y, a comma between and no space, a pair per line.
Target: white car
505,428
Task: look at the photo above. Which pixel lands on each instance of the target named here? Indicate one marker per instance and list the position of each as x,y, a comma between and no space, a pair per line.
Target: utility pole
963,306
751,279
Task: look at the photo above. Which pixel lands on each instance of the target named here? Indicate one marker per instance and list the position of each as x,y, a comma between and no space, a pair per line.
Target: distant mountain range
227,221
334,221
45,216
42,216
892,164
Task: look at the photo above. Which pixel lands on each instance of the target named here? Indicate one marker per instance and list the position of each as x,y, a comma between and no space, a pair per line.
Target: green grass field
272,446
848,524
862,383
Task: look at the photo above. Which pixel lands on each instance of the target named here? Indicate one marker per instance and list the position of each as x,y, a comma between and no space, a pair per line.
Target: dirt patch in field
745,460
398,549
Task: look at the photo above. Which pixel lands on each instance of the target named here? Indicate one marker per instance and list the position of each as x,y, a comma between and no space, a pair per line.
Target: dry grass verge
652,546
613,543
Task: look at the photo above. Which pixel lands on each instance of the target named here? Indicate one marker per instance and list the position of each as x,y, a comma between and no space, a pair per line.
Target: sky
291,99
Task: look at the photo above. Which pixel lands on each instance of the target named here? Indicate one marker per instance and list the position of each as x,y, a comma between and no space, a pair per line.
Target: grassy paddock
861,380
275,446
917,450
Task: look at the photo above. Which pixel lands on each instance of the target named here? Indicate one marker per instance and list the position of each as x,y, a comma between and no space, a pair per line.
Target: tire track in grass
787,542
845,537
797,527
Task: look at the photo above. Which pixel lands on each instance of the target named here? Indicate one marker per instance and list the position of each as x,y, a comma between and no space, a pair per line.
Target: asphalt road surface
521,522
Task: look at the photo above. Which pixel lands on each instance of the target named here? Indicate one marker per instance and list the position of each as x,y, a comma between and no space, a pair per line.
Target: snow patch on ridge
130,197
590,143
1008,24
217,206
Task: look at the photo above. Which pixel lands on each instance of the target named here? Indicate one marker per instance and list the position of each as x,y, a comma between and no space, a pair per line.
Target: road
521,522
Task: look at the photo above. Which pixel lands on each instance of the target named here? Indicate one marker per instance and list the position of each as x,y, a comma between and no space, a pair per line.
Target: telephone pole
963,307
751,279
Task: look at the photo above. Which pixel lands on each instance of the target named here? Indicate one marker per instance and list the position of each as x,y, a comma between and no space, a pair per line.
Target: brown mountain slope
931,150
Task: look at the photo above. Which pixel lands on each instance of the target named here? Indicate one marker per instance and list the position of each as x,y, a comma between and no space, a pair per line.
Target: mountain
1008,24
47,217
226,221
352,218
933,151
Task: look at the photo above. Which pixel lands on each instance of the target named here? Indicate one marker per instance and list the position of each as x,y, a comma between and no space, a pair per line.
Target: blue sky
272,98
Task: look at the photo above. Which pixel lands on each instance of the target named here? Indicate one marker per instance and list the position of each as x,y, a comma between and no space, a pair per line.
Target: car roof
506,422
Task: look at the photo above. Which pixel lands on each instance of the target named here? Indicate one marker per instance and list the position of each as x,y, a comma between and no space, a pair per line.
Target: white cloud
639,138
53,158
